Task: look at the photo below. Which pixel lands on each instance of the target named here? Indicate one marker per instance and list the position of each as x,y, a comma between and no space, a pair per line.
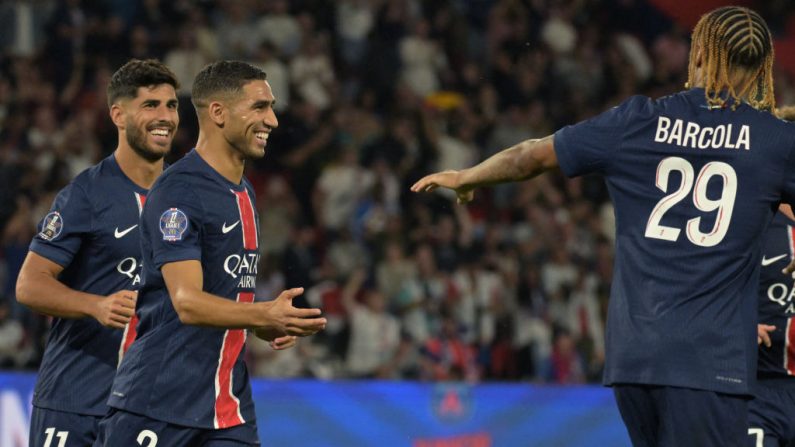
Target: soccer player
695,178
84,264
771,414
183,382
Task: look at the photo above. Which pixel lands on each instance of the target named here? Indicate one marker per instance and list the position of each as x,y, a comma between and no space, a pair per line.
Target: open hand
445,179
287,319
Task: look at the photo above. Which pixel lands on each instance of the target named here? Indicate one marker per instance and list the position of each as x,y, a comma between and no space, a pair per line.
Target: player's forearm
199,308
45,294
522,161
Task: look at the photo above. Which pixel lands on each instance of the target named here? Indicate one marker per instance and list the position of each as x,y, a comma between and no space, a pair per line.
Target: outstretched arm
520,162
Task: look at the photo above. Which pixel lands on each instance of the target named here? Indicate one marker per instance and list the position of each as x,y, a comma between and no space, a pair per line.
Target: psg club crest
52,226
173,224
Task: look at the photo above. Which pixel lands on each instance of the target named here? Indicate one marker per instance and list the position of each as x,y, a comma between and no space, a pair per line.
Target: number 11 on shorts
61,435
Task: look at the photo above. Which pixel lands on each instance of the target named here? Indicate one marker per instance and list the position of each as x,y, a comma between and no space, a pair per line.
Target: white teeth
159,132
261,135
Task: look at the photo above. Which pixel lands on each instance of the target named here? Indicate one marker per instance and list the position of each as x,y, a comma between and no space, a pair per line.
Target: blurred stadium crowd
371,94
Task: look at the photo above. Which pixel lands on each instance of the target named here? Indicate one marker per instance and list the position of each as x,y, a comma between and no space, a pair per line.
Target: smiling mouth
262,137
161,134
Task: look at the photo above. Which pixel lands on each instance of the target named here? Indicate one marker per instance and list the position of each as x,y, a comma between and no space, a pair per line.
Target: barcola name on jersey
243,267
692,135
782,295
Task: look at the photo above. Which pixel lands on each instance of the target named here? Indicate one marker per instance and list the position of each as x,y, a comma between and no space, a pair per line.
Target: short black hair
223,78
139,73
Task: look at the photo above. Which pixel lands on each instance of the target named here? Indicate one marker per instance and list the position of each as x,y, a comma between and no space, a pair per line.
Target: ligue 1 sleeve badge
173,224
51,226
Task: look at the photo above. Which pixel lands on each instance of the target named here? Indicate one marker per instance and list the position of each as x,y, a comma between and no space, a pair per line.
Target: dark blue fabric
682,309
169,373
79,430
81,355
664,416
121,428
776,304
771,415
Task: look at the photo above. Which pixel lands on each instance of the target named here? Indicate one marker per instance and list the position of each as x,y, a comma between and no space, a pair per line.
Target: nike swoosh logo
121,234
226,229
766,262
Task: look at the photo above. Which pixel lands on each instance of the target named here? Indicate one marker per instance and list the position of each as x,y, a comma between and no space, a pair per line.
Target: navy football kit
693,187
92,232
772,411
190,381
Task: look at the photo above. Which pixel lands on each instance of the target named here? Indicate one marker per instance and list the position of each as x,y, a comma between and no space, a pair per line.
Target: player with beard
83,266
184,382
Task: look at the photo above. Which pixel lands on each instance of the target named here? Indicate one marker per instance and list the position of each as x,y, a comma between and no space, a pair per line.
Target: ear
217,113
117,115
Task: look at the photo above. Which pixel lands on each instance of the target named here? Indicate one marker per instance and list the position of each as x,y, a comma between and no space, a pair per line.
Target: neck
217,152
738,78
142,172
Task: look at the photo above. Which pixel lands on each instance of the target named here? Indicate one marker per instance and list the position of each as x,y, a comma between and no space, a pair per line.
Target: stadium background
490,321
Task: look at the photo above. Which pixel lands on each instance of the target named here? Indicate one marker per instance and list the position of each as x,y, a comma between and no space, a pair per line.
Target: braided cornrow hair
734,37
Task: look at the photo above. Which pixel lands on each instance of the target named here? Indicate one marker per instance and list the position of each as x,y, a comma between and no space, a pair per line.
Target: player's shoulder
91,180
177,184
92,175
636,106
179,174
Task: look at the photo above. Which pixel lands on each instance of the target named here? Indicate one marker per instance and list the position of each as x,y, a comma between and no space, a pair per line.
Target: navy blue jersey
776,305
189,375
693,189
92,232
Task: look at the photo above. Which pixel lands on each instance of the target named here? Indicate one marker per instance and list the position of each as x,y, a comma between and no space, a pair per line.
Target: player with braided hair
695,179
733,59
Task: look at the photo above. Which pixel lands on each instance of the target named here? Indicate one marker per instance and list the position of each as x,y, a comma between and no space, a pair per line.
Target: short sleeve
172,224
65,227
585,147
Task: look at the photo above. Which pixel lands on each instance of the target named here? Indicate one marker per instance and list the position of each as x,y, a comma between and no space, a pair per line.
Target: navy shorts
771,416
51,428
120,428
665,416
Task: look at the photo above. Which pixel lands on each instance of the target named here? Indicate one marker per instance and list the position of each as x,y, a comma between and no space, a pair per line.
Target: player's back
693,188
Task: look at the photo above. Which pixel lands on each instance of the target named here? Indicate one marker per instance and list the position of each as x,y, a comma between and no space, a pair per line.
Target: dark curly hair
139,73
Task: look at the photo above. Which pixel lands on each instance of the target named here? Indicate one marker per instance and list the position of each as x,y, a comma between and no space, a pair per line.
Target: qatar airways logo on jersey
131,268
242,268
782,294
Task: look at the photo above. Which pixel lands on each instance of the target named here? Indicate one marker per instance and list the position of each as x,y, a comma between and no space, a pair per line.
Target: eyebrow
156,102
